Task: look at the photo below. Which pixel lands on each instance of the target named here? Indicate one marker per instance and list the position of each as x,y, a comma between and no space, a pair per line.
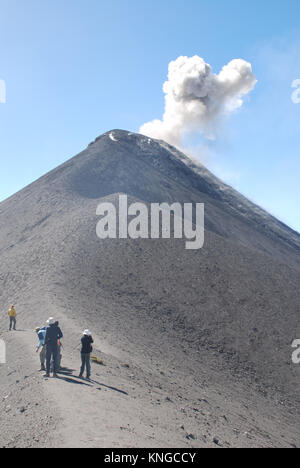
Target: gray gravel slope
218,322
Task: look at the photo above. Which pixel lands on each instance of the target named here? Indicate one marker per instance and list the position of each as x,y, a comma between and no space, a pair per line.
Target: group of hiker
50,346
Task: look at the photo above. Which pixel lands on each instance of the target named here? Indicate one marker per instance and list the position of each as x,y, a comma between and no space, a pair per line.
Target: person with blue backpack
41,333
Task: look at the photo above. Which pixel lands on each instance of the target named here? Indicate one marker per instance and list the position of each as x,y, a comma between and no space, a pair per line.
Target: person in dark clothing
86,350
53,334
59,351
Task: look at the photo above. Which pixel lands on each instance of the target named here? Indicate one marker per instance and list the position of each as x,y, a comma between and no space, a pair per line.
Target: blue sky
74,69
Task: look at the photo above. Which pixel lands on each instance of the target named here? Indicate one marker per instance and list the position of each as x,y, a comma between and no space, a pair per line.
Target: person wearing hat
86,349
12,317
53,334
41,333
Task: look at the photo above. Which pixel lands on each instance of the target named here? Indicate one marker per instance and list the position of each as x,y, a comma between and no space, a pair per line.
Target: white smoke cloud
197,99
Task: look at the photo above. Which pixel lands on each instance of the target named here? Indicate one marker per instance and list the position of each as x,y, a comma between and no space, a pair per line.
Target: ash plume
198,100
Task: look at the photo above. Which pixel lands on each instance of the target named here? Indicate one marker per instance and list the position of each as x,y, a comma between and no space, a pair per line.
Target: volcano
200,339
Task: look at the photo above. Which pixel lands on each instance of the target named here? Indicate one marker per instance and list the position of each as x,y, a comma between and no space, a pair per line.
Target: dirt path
113,410
78,413
126,405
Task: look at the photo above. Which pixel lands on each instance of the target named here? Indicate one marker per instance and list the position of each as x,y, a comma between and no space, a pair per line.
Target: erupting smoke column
197,99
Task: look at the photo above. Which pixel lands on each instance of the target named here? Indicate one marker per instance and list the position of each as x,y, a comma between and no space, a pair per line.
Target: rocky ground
128,405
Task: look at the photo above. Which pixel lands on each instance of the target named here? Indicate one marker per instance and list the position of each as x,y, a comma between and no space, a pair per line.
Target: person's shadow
73,381
66,374
66,371
110,388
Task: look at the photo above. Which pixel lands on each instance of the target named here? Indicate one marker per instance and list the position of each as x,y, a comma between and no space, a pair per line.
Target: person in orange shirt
12,318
